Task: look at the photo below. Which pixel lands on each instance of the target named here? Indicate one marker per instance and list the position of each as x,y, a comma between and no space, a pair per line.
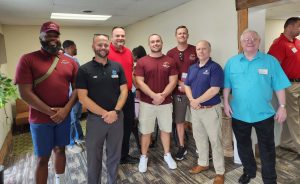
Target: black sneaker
181,153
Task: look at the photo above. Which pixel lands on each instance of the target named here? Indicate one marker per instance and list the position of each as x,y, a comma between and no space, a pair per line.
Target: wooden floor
20,167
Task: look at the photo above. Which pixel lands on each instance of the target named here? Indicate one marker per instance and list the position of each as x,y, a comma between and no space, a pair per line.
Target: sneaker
60,179
74,149
181,153
80,141
170,161
143,163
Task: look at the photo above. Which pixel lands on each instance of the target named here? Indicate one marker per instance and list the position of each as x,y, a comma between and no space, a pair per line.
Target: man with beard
119,53
76,134
156,76
102,88
286,50
48,100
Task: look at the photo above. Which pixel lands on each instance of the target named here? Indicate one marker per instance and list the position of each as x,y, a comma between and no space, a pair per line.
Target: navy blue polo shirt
102,82
200,79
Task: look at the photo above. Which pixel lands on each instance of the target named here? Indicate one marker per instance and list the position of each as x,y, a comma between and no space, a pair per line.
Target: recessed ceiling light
70,16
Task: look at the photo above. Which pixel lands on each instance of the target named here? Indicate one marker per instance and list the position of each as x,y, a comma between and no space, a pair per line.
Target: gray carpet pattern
20,169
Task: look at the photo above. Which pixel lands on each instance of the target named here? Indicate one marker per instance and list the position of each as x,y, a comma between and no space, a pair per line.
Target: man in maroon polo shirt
48,100
184,55
156,76
121,54
286,49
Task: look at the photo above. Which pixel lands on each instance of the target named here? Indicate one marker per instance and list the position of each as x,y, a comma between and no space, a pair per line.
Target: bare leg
59,159
41,171
145,142
165,139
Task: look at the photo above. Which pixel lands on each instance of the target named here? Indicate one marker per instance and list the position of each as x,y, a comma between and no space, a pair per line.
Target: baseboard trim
6,147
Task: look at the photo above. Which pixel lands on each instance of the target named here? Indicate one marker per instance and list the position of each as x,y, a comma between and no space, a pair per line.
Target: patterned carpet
20,166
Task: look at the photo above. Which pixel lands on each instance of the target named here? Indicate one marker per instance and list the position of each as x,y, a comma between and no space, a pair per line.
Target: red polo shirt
288,53
125,58
156,72
54,90
189,58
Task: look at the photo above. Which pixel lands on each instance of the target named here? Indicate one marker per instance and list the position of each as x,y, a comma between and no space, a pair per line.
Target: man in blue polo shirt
252,76
202,86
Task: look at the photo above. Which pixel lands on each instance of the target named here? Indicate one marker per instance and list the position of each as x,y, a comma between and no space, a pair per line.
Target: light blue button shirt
252,84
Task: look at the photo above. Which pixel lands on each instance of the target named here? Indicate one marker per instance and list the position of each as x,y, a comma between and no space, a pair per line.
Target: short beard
51,49
100,55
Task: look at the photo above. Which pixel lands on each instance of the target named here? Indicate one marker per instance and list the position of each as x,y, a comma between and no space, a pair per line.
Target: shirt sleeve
122,76
81,79
139,69
217,77
279,78
188,78
173,70
278,51
227,82
23,72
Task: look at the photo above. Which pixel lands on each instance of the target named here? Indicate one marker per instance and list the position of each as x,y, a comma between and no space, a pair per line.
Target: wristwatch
282,105
117,111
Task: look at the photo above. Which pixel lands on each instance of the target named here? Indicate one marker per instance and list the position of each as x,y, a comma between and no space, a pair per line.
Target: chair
22,112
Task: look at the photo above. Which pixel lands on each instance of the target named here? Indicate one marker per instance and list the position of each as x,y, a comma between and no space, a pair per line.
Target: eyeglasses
181,56
249,39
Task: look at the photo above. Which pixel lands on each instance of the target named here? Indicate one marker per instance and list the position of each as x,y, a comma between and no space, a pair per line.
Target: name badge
114,76
183,76
263,71
294,50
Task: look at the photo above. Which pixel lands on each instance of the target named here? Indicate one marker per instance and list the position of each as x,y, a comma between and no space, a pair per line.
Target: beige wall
5,125
213,20
23,39
273,30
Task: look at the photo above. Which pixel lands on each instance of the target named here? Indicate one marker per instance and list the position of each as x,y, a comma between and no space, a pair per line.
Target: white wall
24,39
213,20
257,22
5,125
273,30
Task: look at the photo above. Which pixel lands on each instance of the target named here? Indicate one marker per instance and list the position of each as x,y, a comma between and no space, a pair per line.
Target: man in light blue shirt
252,76
76,134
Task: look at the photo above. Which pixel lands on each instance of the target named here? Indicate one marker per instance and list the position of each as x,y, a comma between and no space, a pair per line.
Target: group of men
186,76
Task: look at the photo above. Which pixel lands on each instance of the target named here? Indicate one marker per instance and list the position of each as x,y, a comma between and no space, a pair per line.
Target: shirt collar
257,56
95,63
66,54
206,64
115,49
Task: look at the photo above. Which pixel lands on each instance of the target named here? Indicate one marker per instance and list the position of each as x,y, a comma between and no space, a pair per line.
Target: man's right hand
227,110
158,98
110,117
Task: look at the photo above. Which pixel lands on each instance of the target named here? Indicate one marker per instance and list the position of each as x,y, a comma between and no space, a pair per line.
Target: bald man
202,86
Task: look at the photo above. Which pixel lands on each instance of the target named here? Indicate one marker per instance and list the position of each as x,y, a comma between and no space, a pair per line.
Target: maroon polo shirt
156,73
54,90
189,58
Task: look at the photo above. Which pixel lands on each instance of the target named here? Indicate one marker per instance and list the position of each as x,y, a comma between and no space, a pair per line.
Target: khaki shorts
181,103
148,114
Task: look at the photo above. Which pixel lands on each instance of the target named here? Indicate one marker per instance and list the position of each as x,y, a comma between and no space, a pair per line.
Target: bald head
203,49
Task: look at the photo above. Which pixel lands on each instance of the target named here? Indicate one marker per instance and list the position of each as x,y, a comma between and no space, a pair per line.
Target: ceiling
124,12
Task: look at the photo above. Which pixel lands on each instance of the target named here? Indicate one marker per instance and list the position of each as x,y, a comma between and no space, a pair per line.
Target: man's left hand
60,115
280,115
110,117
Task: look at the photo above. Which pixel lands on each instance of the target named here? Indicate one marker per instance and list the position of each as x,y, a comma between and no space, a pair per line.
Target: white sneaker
74,149
170,161
143,163
60,179
80,141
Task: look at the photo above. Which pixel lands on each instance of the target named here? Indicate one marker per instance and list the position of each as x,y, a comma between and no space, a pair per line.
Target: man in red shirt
286,49
156,76
184,55
48,100
121,54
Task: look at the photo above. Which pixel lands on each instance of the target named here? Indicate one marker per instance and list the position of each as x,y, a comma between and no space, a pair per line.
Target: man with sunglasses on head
48,100
184,55
121,54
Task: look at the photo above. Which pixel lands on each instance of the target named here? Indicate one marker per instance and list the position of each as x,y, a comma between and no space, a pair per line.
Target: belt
294,80
206,107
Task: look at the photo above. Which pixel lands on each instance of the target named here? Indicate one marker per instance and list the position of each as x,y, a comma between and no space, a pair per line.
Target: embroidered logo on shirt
65,62
206,72
166,65
114,74
95,77
294,50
